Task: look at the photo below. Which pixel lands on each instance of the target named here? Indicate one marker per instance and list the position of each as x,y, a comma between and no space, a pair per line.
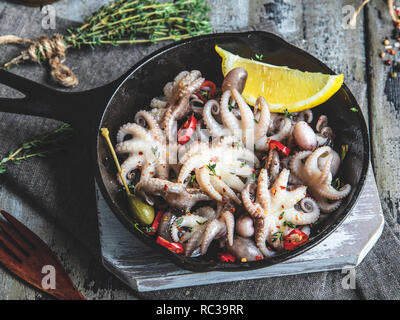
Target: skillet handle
74,108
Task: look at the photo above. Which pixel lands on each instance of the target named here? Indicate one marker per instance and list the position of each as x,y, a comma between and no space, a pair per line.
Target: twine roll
44,48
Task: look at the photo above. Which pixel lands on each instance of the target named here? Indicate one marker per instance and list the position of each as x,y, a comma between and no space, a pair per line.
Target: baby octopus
319,179
217,169
147,152
145,146
178,94
252,127
197,230
274,212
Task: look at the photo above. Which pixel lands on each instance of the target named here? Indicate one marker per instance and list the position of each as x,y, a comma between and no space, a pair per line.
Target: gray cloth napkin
62,190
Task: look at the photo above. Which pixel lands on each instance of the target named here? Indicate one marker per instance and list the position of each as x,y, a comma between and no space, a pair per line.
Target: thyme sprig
141,21
41,147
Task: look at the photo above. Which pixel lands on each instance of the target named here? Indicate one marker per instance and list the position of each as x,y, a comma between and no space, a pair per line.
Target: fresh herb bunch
42,146
139,21
121,22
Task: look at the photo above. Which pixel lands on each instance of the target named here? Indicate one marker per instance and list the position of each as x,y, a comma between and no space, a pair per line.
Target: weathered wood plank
317,27
385,113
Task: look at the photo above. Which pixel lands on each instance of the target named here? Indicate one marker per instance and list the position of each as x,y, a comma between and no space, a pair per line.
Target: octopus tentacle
155,129
325,206
228,117
136,131
217,228
273,165
263,196
134,162
254,209
224,189
244,248
175,194
329,192
319,181
284,132
195,240
184,86
204,181
157,103
212,125
311,164
232,180
247,122
261,127
263,229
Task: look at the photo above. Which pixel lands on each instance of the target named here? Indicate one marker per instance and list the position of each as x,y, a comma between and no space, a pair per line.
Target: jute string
392,12
44,48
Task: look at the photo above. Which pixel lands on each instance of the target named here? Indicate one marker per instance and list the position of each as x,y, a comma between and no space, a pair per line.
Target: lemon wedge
282,87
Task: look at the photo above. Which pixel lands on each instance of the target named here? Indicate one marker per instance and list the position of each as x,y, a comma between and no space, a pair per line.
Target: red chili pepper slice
211,93
187,129
173,246
274,144
295,239
226,257
156,223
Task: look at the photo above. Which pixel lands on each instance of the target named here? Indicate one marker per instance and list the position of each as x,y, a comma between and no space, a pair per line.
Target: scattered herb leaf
289,224
288,114
277,236
212,169
259,56
337,184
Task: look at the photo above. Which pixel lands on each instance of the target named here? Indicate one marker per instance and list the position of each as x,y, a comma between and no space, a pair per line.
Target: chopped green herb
243,164
288,114
282,213
354,109
136,225
255,120
149,229
131,186
201,223
337,184
192,178
289,224
179,221
277,236
155,152
230,107
212,169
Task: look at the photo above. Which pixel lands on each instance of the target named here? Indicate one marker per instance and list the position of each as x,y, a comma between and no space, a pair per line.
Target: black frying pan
116,104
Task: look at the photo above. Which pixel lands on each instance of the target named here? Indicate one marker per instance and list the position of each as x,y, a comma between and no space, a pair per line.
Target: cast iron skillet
116,103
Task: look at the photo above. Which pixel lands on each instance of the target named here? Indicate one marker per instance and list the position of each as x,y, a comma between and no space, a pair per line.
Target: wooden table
319,26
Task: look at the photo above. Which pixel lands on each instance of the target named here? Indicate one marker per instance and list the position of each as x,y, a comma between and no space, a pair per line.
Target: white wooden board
144,270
